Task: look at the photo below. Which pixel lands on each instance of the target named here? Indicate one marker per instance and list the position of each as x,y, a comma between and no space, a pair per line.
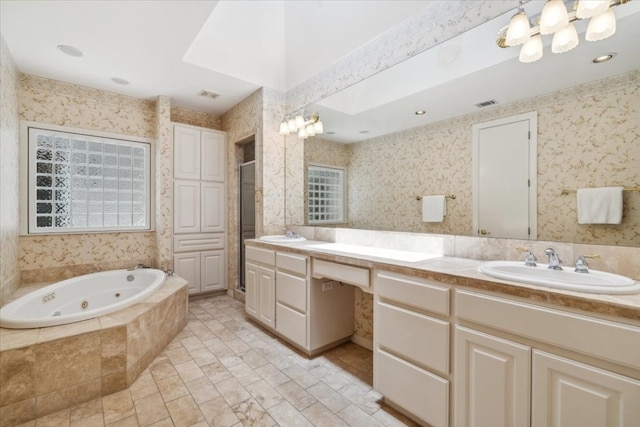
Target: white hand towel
599,205
434,208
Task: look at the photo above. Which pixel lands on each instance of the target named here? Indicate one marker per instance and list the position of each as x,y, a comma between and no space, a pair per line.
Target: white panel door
187,266
267,296
212,202
186,207
186,153
213,146
504,191
568,393
251,272
492,381
212,273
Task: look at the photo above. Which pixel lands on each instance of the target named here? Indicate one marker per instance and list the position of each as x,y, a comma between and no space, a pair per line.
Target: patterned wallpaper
50,101
587,136
9,149
195,118
164,184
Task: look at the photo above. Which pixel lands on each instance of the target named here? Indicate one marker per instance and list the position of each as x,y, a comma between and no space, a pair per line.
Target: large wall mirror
588,130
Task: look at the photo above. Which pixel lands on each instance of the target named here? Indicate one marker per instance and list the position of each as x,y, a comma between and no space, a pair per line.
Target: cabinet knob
484,232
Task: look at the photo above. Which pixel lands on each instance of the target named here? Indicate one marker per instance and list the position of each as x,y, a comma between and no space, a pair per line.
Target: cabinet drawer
344,273
291,291
291,324
420,392
296,264
603,339
197,242
263,256
413,336
417,293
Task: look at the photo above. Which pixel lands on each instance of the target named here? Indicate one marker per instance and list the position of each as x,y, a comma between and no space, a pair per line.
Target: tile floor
223,370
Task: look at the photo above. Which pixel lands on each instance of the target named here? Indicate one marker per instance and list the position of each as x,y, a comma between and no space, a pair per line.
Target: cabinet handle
484,232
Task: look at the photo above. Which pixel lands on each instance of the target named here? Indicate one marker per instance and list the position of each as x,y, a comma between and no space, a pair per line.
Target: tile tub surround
46,370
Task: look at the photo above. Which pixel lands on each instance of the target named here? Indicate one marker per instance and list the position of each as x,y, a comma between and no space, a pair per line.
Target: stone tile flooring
223,370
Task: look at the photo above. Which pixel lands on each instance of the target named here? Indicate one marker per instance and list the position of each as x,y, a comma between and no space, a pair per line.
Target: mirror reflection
588,128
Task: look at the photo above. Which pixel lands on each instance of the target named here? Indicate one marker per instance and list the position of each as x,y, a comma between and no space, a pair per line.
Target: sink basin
394,254
277,238
597,282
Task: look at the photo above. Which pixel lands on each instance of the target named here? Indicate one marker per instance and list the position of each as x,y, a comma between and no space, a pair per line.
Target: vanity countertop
463,272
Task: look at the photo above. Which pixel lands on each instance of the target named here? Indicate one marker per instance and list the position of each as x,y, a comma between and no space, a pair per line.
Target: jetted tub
81,298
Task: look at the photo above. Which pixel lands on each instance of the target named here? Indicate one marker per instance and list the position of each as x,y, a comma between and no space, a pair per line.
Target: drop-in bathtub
81,298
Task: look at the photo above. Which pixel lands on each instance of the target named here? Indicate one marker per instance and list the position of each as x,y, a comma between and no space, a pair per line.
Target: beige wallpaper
164,184
9,149
587,137
195,118
49,101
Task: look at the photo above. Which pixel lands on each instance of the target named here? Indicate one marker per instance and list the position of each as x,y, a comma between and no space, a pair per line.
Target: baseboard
362,342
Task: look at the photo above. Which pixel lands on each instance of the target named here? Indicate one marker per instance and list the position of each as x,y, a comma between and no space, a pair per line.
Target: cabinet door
212,271
186,207
267,296
186,153
492,381
187,266
212,202
213,161
251,289
568,393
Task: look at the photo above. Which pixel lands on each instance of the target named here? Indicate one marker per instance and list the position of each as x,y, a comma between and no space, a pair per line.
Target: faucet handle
581,265
530,259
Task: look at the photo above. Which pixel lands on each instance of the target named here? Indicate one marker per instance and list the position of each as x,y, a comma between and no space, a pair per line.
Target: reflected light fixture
303,126
556,20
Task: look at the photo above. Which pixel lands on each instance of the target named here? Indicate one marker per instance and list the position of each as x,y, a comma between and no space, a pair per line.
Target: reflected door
504,172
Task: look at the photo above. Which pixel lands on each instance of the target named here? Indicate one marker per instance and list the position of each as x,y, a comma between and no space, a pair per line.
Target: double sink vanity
453,346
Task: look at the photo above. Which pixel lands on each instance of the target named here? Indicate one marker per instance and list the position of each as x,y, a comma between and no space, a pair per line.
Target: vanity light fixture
304,126
70,50
556,20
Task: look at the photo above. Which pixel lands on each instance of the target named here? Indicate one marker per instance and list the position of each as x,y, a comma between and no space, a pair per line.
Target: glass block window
87,183
327,195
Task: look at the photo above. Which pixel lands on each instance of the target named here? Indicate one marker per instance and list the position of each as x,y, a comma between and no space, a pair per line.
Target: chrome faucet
581,265
554,259
530,259
137,266
289,233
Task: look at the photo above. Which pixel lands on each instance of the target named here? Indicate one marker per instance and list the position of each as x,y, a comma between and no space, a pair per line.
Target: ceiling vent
486,103
208,94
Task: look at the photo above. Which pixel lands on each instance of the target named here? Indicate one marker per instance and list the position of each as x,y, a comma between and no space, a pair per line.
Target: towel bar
448,196
565,191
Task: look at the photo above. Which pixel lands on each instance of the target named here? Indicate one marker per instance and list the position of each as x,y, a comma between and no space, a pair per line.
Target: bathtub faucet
137,266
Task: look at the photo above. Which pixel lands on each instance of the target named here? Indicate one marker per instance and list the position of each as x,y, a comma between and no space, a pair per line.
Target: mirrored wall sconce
303,126
557,20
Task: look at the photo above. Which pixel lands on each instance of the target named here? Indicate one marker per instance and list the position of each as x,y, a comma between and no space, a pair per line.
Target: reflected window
327,194
80,183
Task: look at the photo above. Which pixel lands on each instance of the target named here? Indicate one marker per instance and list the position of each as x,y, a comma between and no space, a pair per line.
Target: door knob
484,232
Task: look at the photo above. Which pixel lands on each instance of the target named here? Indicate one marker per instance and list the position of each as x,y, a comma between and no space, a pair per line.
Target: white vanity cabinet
260,285
199,201
499,382
411,345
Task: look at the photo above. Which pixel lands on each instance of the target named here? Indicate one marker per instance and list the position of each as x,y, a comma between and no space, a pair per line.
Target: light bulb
554,17
284,128
318,128
299,121
601,26
565,39
531,51
309,130
302,134
291,124
591,8
518,30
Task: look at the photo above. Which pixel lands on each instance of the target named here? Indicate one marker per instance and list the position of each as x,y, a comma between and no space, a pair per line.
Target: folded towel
599,205
434,208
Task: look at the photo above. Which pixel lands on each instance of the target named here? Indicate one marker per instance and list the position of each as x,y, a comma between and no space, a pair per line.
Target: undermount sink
279,238
597,282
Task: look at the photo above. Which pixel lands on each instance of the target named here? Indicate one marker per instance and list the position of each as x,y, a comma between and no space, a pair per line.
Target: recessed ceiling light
119,81
70,50
603,58
420,113
364,131
330,133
